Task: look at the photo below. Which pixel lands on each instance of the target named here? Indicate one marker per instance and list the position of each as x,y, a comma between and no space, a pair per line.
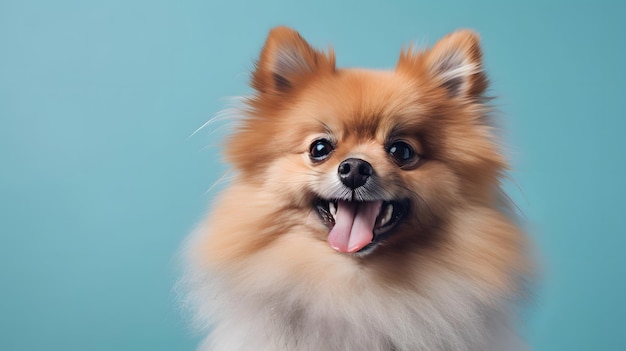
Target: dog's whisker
225,177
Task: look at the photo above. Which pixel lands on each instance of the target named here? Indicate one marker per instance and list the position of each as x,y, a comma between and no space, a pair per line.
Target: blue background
99,182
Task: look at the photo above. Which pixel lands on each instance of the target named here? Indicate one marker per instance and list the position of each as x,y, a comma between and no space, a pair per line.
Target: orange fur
264,246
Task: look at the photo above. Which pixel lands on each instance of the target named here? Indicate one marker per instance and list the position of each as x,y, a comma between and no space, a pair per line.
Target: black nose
354,172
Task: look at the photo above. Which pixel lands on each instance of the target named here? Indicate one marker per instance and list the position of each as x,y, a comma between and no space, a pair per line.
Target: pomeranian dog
365,212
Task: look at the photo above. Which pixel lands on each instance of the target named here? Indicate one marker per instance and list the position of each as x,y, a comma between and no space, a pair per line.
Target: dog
365,211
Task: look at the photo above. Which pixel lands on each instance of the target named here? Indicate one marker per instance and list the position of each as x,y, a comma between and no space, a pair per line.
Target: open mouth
359,226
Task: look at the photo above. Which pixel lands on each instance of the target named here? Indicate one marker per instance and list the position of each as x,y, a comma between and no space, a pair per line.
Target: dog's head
376,156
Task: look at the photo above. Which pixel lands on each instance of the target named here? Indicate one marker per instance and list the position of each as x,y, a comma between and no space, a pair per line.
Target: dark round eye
403,154
320,149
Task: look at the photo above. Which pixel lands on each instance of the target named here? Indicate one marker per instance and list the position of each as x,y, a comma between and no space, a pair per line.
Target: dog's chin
390,215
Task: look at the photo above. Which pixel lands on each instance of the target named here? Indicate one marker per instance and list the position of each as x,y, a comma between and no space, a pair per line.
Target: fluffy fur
262,272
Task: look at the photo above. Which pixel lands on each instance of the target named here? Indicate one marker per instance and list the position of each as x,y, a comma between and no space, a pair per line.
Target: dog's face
369,157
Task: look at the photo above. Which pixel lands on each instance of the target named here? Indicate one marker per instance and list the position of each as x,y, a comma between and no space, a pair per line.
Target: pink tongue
354,225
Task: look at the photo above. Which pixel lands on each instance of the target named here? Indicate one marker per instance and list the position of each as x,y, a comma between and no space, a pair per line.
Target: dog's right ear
286,61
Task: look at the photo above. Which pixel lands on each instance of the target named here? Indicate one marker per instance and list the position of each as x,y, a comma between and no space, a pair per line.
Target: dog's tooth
387,215
332,208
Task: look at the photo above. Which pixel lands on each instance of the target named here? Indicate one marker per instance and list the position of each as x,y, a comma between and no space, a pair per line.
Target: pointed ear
454,63
286,61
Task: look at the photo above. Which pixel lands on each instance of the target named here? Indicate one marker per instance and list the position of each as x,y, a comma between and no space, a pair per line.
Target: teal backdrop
100,180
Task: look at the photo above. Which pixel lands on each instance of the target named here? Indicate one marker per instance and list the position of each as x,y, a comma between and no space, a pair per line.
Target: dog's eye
403,154
320,149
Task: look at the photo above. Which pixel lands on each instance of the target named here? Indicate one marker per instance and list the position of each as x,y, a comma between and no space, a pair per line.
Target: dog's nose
354,172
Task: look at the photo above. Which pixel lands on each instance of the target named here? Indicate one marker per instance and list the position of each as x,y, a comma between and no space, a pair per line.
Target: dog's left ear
454,63
286,61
